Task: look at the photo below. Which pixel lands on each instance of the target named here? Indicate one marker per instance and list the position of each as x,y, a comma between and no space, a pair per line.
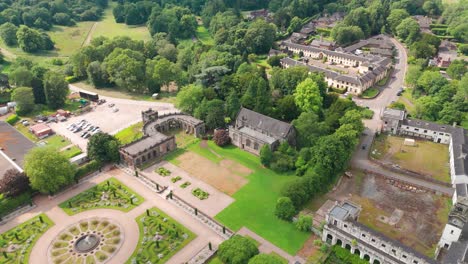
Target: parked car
87,135
115,110
111,105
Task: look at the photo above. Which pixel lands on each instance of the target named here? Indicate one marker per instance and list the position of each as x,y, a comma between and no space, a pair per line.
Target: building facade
252,130
343,229
155,143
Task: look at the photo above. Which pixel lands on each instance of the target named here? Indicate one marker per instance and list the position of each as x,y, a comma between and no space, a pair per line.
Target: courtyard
415,218
148,229
425,157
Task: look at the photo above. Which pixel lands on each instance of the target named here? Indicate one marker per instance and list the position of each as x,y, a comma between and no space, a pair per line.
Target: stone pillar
361,255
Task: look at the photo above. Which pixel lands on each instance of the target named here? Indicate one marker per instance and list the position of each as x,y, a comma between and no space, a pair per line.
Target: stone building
454,240
252,130
155,143
367,71
343,229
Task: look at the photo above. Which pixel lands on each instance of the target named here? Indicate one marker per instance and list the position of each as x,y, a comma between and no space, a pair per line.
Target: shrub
304,223
237,250
163,171
9,204
71,79
265,259
12,119
200,194
87,168
266,155
176,179
185,184
285,208
13,183
221,137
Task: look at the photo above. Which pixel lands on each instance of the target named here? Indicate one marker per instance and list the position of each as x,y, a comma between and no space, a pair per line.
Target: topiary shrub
221,137
285,208
237,250
12,119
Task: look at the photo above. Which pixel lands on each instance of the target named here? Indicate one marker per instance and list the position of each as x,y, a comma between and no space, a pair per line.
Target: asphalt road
388,94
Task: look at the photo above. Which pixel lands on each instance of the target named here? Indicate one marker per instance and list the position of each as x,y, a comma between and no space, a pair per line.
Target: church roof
263,124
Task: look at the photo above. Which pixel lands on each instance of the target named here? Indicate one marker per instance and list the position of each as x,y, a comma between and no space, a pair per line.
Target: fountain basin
86,243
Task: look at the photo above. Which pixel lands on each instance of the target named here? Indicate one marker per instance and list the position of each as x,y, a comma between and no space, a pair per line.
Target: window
451,232
234,136
386,122
383,245
404,256
416,129
335,222
407,127
425,130
247,142
363,235
415,261
345,225
373,240
256,146
393,251
441,134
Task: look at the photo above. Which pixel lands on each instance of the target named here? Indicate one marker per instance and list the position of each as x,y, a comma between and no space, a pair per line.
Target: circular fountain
86,243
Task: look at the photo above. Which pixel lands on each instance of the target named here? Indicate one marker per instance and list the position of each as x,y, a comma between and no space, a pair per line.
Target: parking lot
108,119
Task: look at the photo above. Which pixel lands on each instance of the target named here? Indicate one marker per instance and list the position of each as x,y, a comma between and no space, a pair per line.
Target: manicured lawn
108,194
9,204
59,143
407,99
107,27
25,131
370,93
425,157
159,234
204,36
130,134
255,202
26,236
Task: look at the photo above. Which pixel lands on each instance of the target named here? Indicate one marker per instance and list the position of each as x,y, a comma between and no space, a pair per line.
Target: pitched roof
263,124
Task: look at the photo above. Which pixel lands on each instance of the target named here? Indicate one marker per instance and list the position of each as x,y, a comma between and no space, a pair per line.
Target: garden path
49,206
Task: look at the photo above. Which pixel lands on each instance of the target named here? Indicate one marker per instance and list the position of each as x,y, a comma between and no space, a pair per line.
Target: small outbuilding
409,142
41,130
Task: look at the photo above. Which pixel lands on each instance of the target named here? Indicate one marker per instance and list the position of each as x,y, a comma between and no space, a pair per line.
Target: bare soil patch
226,177
423,215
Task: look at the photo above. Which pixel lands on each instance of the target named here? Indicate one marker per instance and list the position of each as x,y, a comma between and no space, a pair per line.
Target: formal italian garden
17,243
110,194
90,241
160,237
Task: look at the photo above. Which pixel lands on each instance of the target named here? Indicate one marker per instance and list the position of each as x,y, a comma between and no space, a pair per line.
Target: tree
103,148
29,40
307,96
13,183
232,104
97,74
354,118
395,18
266,155
221,137
214,114
265,259
189,97
431,82
56,89
126,68
20,76
24,98
237,250
297,192
48,170
460,32
8,33
165,72
359,17
408,30
432,7
308,128
304,223
344,35
294,25
287,108
457,69
421,49
259,36
285,208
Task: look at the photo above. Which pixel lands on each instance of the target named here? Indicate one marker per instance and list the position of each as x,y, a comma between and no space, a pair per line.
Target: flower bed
200,194
163,171
108,194
19,241
185,185
160,238
176,179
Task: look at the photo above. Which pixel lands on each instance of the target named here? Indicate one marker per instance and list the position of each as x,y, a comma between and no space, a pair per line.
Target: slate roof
145,143
14,144
457,253
258,135
324,51
261,123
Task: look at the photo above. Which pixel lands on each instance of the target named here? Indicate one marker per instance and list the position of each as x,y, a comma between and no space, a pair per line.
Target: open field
204,36
69,39
427,158
255,202
107,27
422,216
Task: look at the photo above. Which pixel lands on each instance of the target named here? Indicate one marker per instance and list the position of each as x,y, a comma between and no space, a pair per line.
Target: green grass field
370,93
255,202
69,39
24,236
107,27
130,134
204,36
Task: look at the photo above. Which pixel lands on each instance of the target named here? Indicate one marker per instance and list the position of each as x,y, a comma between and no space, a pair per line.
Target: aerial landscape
234,132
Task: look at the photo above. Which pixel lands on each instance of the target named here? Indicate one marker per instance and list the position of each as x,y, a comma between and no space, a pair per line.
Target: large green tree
259,36
237,250
48,170
408,30
189,98
395,18
285,208
24,98
56,89
103,148
126,68
265,259
307,96
8,33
